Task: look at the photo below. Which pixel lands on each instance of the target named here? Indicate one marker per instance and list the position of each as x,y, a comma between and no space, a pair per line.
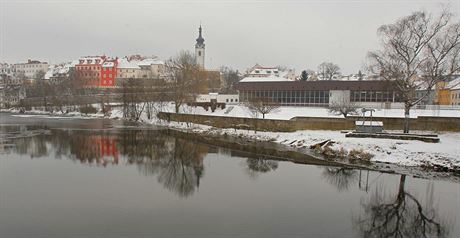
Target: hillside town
229,119
321,88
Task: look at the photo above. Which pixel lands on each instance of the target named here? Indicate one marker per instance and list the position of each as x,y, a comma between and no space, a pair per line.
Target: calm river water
64,177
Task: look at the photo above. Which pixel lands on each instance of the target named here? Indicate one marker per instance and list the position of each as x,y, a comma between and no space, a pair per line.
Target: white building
219,98
58,72
152,68
6,69
140,67
127,69
31,68
258,71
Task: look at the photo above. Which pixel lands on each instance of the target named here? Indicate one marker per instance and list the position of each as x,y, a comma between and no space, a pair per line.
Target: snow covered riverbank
401,152
444,154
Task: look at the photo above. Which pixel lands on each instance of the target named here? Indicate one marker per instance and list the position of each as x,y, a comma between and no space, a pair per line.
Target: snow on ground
402,152
286,113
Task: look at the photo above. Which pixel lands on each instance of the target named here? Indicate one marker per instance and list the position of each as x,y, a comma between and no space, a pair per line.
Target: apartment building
31,69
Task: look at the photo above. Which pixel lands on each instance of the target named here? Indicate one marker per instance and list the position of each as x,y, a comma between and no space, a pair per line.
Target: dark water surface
65,177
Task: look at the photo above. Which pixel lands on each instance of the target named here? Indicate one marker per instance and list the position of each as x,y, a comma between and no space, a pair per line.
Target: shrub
87,109
360,154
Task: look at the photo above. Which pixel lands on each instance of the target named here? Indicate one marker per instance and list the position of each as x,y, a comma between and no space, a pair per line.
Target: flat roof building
323,93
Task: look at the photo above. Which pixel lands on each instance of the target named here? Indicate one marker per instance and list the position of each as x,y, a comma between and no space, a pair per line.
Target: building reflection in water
177,164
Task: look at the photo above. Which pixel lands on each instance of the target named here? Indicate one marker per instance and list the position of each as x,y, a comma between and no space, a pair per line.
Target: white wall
339,96
221,98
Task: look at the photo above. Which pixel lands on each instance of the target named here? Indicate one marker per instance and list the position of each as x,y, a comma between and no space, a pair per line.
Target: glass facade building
318,93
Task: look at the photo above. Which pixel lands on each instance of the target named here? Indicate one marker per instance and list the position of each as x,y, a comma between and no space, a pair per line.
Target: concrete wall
315,123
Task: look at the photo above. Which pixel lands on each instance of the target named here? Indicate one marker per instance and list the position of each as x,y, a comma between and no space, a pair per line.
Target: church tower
199,49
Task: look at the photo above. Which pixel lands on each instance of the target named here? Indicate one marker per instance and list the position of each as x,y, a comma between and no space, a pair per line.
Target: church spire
200,39
199,48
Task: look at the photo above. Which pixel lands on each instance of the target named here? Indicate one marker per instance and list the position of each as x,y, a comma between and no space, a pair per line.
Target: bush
360,154
88,109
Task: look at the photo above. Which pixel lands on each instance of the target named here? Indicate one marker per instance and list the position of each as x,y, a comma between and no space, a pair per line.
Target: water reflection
177,165
402,215
341,178
256,166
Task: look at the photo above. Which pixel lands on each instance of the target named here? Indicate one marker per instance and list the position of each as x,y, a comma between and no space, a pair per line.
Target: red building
109,73
96,71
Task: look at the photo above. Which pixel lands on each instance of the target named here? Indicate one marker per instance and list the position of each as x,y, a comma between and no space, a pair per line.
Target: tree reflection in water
179,168
341,178
256,166
177,163
400,216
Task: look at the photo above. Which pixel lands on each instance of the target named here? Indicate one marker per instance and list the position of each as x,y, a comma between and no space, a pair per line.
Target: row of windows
89,67
31,66
289,97
373,96
86,74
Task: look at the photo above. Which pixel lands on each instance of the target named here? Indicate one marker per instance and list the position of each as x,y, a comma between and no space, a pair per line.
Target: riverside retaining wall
314,123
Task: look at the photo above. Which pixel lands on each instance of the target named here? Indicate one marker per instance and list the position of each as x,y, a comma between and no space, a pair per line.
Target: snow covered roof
60,69
270,78
91,60
126,64
108,64
49,73
454,84
264,71
150,61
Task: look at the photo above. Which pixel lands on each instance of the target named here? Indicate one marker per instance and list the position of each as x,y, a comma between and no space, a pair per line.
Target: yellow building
442,93
454,87
447,93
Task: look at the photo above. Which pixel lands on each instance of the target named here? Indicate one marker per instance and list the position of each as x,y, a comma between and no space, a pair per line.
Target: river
68,177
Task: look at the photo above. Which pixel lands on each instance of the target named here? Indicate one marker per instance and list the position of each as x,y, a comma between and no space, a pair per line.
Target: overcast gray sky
295,33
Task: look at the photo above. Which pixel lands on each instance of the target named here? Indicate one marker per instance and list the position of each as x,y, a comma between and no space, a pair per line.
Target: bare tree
229,77
133,99
184,78
343,107
418,44
262,106
39,75
328,70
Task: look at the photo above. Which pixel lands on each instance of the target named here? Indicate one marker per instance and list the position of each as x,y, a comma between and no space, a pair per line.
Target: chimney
29,61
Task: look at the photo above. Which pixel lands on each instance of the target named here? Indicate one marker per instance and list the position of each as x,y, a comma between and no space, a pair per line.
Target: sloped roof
126,64
454,84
